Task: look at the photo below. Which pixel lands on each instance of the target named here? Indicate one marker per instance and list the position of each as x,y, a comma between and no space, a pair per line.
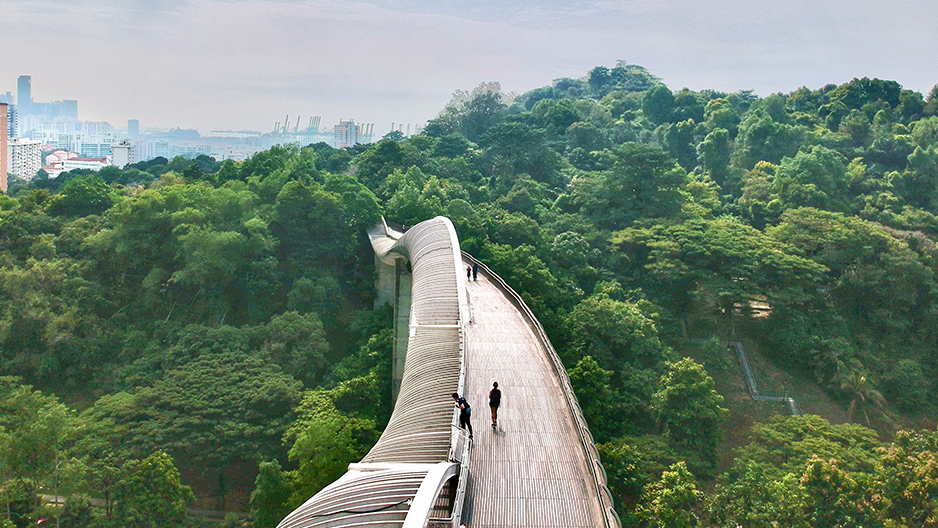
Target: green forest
185,337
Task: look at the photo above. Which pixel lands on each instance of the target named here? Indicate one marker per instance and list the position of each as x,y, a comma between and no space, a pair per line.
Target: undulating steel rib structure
415,475
538,467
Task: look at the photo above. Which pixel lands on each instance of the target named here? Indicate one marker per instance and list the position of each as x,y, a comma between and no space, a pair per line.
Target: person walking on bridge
475,272
468,272
495,399
465,413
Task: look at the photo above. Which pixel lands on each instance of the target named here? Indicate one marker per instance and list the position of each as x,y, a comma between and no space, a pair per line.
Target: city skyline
21,101
212,64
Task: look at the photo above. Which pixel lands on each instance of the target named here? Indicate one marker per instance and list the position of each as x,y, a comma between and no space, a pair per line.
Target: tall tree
152,494
859,388
270,500
754,498
598,400
724,259
658,103
325,441
714,153
644,182
671,502
36,429
836,498
690,410
907,476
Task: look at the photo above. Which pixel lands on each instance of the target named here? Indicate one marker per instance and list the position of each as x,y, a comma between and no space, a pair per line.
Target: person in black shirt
495,399
475,272
465,413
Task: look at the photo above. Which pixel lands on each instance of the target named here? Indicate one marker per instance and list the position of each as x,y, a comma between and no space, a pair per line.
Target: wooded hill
216,317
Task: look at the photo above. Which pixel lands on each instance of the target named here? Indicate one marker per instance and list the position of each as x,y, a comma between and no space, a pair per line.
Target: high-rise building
346,134
55,110
133,128
3,149
25,157
24,93
123,154
70,108
96,128
12,122
93,146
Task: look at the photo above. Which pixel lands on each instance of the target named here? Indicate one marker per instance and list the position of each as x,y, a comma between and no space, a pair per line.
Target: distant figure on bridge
495,399
475,272
468,272
465,413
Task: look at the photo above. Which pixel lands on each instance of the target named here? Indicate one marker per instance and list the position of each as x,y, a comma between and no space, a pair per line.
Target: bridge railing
598,472
461,444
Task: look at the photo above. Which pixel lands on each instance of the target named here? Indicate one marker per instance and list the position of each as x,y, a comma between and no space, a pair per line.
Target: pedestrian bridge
540,467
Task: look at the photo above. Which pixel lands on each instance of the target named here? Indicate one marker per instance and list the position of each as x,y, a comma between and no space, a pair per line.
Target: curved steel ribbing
398,481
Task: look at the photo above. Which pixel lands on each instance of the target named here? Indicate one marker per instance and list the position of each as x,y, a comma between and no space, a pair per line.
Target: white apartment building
90,139
98,146
191,150
147,149
58,140
25,157
345,134
3,149
94,164
123,154
97,128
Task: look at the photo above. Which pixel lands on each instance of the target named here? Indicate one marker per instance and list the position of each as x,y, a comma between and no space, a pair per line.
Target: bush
906,386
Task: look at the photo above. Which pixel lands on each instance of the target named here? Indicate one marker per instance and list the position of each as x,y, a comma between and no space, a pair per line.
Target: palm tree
859,386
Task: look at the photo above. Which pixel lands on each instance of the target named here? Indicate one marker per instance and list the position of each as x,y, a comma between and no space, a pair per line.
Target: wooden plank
532,470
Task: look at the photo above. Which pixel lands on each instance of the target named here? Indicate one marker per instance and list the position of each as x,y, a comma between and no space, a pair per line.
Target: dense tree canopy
218,317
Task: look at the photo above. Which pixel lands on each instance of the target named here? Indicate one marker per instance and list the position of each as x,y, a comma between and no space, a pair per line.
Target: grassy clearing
770,378
773,379
743,410
795,382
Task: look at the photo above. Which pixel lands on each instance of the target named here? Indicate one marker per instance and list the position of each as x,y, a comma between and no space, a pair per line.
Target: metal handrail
463,478
748,375
586,438
461,483
465,318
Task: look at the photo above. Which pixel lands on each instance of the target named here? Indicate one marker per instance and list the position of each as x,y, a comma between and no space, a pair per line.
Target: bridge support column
401,325
393,285
385,283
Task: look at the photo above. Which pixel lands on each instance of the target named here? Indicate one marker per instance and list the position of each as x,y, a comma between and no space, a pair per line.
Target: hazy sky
246,63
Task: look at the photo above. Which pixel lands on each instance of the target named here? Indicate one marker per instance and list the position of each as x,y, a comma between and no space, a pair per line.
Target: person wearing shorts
495,400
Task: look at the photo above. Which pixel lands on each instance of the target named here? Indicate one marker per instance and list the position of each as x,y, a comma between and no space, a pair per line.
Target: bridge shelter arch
415,474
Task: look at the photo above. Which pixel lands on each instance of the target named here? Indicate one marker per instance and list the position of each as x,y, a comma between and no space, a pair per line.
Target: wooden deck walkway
532,471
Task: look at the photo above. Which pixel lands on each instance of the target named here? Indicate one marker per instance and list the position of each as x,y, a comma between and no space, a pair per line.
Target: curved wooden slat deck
531,471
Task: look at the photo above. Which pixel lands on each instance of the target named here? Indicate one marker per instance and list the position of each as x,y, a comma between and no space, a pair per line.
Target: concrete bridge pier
394,284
